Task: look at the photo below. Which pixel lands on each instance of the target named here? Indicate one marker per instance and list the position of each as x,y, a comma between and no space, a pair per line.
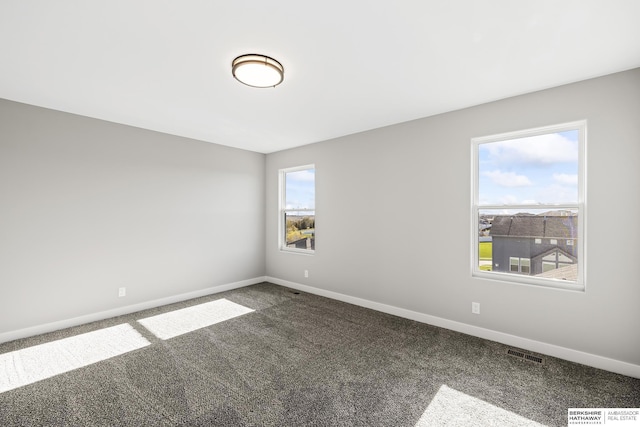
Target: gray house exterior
534,244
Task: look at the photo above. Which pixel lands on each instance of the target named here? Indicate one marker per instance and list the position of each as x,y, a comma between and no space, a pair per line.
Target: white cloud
306,175
541,149
509,199
565,179
508,179
556,193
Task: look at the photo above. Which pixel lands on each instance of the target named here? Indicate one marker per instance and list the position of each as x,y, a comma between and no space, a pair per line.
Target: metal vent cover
525,356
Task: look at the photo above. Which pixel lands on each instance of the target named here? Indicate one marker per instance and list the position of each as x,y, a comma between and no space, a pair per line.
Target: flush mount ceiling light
257,70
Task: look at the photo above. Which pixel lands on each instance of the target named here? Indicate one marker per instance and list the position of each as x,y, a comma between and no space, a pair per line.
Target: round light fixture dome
257,70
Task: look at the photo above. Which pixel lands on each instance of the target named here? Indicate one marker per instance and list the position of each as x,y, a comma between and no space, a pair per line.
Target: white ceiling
350,65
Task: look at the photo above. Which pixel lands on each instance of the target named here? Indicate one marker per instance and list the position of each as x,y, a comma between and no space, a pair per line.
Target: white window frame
580,206
283,210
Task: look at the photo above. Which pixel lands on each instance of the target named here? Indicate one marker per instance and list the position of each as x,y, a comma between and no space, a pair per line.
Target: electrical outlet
306,273
122,292
475,307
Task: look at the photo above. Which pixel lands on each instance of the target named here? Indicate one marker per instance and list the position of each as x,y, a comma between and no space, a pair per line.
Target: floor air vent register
525,356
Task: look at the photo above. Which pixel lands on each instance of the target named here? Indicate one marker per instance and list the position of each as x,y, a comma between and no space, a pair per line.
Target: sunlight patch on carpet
453,408
178,322
22,367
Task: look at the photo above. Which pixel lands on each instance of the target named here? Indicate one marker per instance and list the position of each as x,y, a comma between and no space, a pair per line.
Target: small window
528,192
297,209
514,265
519,265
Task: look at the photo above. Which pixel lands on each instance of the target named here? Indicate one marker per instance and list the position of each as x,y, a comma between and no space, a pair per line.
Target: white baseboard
93,317
571,355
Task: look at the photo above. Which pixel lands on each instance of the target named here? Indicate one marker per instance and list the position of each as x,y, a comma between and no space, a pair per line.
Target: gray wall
407,187
88,206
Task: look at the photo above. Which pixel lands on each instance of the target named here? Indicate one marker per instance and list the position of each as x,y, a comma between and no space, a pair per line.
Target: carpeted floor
302,360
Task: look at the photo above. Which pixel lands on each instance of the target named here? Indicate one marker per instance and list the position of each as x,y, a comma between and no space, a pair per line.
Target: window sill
298,251
511,279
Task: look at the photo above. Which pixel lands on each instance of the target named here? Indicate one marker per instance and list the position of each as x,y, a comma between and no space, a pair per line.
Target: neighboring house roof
557,213
569,272
561,227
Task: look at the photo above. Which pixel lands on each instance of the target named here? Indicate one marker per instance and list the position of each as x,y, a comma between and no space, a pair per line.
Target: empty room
338,214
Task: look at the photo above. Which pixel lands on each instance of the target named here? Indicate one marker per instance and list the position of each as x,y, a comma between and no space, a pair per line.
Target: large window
298,209
528,219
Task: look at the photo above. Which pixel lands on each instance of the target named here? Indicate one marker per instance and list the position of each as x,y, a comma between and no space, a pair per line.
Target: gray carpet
303,360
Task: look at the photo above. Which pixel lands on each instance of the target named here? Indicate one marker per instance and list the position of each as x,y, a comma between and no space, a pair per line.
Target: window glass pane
531,170
511,232
300,229
300,189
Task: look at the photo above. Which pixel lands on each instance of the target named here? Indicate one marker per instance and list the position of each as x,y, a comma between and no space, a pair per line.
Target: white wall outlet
475,307
122,292
306,273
